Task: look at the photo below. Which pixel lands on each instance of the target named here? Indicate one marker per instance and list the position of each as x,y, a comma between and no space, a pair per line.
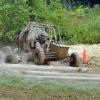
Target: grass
14,88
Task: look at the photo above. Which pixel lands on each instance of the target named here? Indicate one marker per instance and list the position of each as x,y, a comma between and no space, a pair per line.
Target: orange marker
85,57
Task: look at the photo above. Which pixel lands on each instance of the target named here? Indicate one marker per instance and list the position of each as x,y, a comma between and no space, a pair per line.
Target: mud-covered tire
39,56
7,50
74,60
11,59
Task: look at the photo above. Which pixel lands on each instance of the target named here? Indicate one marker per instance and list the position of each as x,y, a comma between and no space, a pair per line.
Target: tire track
48,72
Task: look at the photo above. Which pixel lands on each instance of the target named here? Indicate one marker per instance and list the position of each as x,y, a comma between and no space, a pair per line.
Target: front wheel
39,56
74,60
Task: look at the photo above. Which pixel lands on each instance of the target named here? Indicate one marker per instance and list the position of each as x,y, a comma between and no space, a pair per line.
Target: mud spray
2,57
25,57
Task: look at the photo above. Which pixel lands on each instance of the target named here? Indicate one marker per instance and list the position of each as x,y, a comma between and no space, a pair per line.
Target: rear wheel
39,56
74,60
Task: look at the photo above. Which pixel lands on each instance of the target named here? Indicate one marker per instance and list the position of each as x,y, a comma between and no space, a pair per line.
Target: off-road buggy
44,43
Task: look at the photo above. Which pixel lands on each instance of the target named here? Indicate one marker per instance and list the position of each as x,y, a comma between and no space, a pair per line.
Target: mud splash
2,57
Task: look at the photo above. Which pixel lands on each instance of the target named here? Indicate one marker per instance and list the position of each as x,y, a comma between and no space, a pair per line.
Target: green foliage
80,25
12,18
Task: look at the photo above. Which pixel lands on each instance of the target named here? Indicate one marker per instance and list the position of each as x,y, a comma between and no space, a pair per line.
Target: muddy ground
83,77
58,69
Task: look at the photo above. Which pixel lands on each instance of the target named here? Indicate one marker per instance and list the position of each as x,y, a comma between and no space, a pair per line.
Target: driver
42,38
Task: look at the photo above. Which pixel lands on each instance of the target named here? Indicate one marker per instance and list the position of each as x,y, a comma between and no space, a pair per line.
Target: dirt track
59,71
49,72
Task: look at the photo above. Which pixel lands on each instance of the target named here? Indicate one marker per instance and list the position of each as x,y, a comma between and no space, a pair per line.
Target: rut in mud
49,72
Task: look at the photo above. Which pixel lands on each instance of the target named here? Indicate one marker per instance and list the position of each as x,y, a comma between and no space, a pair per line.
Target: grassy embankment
12,88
